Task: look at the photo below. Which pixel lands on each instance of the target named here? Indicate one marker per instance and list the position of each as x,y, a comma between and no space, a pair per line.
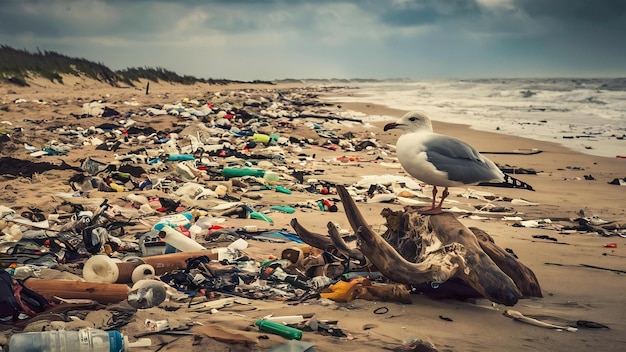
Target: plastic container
101,268
231,252
157,325
179,157
84,340
282,189
116,187
142,271
146,293
253,214
179,241
283,208
271,177
238,245
260,216
174,220
279,329
151,244
261,138
229,172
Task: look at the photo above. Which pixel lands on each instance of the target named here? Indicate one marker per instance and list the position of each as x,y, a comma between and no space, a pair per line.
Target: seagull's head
411,122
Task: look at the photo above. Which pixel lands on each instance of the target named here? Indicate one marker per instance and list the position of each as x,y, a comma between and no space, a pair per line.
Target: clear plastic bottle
84,340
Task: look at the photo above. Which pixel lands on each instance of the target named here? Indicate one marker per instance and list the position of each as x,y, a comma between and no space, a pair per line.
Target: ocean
586,115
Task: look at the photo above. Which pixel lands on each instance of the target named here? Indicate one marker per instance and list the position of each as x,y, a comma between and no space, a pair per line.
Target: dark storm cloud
583,10
267,39
74,18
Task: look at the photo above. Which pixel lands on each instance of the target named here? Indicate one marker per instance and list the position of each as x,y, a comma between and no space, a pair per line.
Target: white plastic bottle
84,340
179,241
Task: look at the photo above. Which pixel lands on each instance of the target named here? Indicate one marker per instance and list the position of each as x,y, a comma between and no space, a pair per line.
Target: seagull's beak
390,126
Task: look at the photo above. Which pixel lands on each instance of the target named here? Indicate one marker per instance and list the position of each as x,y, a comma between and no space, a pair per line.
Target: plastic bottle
253,214
261,138
179,157
179,241
271,177
83,340
116,187
295,280
279,329
229,172
174,221
283,208
282,189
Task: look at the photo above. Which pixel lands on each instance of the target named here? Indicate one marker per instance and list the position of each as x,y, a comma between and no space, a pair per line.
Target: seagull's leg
435,210
434,197
428,210
443,196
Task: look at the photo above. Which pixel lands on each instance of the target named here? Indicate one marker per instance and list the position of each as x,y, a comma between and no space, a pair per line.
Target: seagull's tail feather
510,182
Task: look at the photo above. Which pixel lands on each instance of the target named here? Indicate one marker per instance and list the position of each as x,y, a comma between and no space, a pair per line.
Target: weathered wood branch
523,277
342,247
313,239
424,251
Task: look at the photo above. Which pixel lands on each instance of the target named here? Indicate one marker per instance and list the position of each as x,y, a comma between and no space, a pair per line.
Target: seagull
439,160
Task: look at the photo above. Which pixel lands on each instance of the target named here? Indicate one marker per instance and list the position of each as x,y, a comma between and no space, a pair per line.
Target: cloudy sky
274,39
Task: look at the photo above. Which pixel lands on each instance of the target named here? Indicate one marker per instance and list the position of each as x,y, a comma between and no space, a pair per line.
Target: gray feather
459,160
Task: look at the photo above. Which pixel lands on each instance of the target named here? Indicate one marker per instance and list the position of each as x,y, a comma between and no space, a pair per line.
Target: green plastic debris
284,209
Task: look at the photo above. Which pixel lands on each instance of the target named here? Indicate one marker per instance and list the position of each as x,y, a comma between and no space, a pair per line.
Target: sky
379,39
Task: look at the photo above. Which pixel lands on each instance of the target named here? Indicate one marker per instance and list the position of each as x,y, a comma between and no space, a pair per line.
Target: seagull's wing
460,160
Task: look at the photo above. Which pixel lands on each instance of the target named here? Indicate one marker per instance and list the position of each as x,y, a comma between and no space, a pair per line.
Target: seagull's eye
413,119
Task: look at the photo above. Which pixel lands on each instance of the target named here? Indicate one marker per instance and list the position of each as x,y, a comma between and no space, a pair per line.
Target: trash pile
151,229
108,267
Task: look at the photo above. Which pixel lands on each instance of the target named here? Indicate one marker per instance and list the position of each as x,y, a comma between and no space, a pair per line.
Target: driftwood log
434,254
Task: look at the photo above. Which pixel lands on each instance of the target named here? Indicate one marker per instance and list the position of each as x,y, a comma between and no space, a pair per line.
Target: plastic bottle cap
116,341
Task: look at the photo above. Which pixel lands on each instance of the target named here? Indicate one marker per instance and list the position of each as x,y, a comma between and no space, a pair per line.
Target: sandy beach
581,278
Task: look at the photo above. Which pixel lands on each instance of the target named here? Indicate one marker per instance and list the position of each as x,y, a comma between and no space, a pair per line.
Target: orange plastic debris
345,291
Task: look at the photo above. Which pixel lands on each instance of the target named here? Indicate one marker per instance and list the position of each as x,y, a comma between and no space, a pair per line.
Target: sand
571,292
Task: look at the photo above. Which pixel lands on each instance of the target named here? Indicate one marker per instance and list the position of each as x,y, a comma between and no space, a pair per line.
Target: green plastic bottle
229,172
282,189
283,208
279,329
